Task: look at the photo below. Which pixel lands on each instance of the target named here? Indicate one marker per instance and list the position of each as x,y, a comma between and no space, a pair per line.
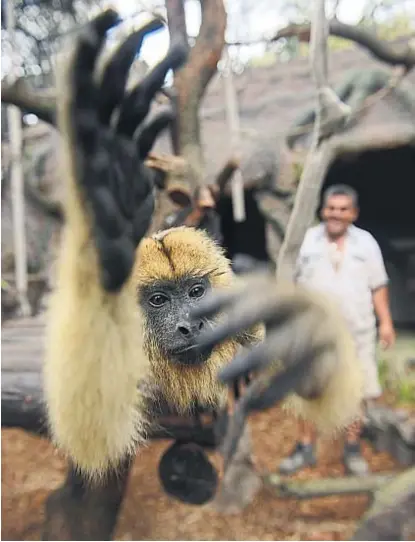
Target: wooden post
17,183
232,114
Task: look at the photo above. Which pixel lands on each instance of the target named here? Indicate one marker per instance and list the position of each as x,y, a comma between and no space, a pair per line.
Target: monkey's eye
197,291
158,300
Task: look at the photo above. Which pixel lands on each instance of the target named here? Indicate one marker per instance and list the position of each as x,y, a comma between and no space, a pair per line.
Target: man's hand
386,335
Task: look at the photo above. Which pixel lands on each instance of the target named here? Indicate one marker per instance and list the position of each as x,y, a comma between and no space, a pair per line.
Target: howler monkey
123,325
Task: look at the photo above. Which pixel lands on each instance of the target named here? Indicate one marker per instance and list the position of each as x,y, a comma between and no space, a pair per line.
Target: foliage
39,25
400,386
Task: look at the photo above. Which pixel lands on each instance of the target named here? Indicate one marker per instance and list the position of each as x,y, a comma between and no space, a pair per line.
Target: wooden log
391,515
324,487
22,401
22,405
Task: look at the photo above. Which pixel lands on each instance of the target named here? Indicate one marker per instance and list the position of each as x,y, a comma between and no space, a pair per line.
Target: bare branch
318,158
176,19
226,173
367,39
191,82
40,103
310,489
380,49
173,165
51,208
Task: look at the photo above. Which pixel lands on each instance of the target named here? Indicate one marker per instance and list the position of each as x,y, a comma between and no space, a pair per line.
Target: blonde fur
94,356
340,403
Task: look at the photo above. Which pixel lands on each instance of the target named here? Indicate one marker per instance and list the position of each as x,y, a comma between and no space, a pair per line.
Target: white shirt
350,276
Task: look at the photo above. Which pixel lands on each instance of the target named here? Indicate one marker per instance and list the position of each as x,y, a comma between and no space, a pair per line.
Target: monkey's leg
81,511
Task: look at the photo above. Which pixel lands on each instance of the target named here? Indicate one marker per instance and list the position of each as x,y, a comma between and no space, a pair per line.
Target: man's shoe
301,457
354,463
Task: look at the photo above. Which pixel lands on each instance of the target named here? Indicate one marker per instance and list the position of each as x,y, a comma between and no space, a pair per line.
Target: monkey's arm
93,356
307,353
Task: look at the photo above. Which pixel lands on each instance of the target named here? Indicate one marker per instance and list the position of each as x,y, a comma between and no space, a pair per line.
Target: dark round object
187,474
179,197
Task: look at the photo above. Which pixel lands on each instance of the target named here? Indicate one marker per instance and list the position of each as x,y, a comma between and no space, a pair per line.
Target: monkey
131,320
110,294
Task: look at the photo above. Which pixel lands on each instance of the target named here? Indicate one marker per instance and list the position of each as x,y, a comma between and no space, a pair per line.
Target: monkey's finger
89,45
269,388
216,301
136,105
176,57
260,395
151,131
116,260
112,86
280,385
107,216
283,344
213,303
143,218
247,313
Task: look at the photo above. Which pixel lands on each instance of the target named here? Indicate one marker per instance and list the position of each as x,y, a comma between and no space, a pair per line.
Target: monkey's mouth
189,355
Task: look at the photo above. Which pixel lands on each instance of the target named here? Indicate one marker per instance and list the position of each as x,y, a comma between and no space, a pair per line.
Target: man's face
338,213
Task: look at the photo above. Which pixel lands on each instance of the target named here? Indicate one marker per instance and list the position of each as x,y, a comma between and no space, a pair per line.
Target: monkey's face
167,305
174,270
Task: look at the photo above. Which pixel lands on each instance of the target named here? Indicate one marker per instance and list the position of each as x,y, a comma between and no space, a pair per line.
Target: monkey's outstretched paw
298,337
110,138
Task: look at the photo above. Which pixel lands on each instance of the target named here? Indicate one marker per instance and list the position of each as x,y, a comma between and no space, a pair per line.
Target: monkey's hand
299,354
108,138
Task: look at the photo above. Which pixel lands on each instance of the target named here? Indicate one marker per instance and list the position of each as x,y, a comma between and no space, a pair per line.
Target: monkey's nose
186,329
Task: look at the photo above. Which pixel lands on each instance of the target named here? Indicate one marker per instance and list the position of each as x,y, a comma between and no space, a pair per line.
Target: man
344,261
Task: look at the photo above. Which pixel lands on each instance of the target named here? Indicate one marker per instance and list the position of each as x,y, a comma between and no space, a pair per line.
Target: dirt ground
31,469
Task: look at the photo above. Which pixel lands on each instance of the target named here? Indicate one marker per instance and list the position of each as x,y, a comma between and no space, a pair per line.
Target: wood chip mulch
31,468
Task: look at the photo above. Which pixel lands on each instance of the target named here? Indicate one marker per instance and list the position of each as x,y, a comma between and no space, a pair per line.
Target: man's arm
381,305
378,282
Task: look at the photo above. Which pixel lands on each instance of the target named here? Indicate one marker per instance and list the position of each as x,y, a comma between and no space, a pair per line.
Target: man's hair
341,190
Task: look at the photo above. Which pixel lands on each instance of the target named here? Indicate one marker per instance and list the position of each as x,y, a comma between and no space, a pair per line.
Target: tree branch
40,103
176,19
191,82
367,39
319,156
310,489
53,209
225,174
